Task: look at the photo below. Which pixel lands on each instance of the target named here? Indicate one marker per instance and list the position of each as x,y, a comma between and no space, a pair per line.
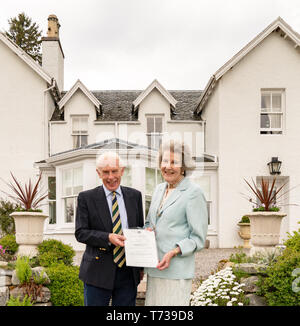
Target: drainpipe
47,123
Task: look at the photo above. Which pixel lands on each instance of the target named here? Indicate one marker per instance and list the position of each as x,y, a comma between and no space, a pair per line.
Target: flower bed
220,289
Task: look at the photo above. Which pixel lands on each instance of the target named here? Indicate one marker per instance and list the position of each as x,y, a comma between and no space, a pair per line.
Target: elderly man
102,213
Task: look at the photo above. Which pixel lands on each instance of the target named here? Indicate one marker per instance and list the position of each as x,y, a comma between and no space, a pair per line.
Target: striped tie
118,252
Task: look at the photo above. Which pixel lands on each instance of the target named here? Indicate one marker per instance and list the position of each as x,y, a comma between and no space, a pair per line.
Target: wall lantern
274,166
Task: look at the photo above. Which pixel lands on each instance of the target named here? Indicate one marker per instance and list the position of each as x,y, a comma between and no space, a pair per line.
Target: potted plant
244,231
29,220
266,219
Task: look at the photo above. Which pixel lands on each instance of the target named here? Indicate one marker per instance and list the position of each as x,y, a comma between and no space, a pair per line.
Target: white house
246,115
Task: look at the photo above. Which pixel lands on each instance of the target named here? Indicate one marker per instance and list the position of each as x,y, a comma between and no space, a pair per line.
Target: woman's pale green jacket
182,221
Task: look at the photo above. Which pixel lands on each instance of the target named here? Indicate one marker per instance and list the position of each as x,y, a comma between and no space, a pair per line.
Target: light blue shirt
121,204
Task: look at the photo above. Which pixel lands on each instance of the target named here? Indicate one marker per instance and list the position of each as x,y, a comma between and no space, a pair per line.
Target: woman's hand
165,262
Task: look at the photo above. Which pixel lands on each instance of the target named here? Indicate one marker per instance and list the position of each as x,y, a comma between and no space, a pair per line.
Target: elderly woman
178,216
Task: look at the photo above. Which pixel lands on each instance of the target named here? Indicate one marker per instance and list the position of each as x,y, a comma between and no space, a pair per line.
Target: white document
140,248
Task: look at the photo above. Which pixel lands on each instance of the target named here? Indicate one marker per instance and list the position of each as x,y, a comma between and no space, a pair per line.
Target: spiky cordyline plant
265,195
28,196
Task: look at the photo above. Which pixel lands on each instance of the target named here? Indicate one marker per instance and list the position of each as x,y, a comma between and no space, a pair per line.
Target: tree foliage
26,35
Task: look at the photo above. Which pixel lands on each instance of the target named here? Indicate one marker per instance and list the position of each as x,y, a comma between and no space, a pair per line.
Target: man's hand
116,239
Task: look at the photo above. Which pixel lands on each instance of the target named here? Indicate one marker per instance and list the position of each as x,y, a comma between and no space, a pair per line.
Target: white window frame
52,200
149,135
74,196
270,92
80,133
148,196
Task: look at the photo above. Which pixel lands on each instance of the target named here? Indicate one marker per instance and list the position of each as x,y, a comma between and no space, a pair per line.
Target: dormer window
154,130
80,130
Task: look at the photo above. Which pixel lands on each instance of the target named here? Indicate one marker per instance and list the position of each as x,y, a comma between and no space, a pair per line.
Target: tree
26,35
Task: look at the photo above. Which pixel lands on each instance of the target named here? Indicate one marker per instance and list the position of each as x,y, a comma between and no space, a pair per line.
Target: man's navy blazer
92,227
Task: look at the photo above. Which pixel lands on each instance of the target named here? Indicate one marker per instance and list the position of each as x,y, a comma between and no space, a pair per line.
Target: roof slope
117,105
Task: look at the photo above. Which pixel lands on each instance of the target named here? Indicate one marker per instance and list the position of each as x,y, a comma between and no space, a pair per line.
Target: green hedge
9,243
279,286
66,288
51,252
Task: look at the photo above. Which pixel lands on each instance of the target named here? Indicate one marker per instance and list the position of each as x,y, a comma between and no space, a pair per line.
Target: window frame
73,195
81,133
156,134
148,196
271,112
53,202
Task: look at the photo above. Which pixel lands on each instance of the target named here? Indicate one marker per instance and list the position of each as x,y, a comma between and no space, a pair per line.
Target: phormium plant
28,196
267,195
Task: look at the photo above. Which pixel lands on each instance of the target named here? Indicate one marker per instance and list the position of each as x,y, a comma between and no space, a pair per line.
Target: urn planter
265,230
29,231
245,234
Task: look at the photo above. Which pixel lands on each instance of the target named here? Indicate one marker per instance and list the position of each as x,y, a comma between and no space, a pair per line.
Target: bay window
52,199
72,184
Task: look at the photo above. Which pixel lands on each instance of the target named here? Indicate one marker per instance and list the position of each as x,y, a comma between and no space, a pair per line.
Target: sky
126,44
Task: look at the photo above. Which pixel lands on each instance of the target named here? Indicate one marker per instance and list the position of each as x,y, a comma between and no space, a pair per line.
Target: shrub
9,243
245,219
66,288
7,224
293,241
51,252
23,269
277,287
16,301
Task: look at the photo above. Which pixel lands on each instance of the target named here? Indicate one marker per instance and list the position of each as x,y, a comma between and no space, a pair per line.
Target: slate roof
117,105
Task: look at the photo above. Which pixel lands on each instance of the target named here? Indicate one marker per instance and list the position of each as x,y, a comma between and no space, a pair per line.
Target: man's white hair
109,158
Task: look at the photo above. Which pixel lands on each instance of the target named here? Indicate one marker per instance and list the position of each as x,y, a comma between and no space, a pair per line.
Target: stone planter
29,231
265,230
245,234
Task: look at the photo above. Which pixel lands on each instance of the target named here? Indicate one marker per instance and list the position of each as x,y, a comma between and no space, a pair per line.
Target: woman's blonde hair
176,146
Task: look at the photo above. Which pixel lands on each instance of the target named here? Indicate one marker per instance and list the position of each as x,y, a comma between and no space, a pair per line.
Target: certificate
140,248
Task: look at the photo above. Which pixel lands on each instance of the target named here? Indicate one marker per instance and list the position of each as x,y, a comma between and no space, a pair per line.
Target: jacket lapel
103,209
158,198
130,209
174,195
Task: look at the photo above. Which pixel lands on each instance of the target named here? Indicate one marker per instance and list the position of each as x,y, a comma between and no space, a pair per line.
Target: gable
89,95
154,85
278,26
25,58
79,104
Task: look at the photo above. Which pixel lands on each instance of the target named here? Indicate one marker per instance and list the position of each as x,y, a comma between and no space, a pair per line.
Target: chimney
53,55
53,26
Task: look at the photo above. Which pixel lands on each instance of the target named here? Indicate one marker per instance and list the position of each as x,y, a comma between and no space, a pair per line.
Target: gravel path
207,260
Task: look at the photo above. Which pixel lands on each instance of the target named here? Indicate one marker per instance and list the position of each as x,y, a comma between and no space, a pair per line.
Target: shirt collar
108,192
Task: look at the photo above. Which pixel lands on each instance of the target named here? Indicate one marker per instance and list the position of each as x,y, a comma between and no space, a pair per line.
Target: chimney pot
53,26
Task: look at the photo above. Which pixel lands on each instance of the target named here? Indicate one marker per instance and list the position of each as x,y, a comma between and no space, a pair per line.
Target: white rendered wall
243,152
24,110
